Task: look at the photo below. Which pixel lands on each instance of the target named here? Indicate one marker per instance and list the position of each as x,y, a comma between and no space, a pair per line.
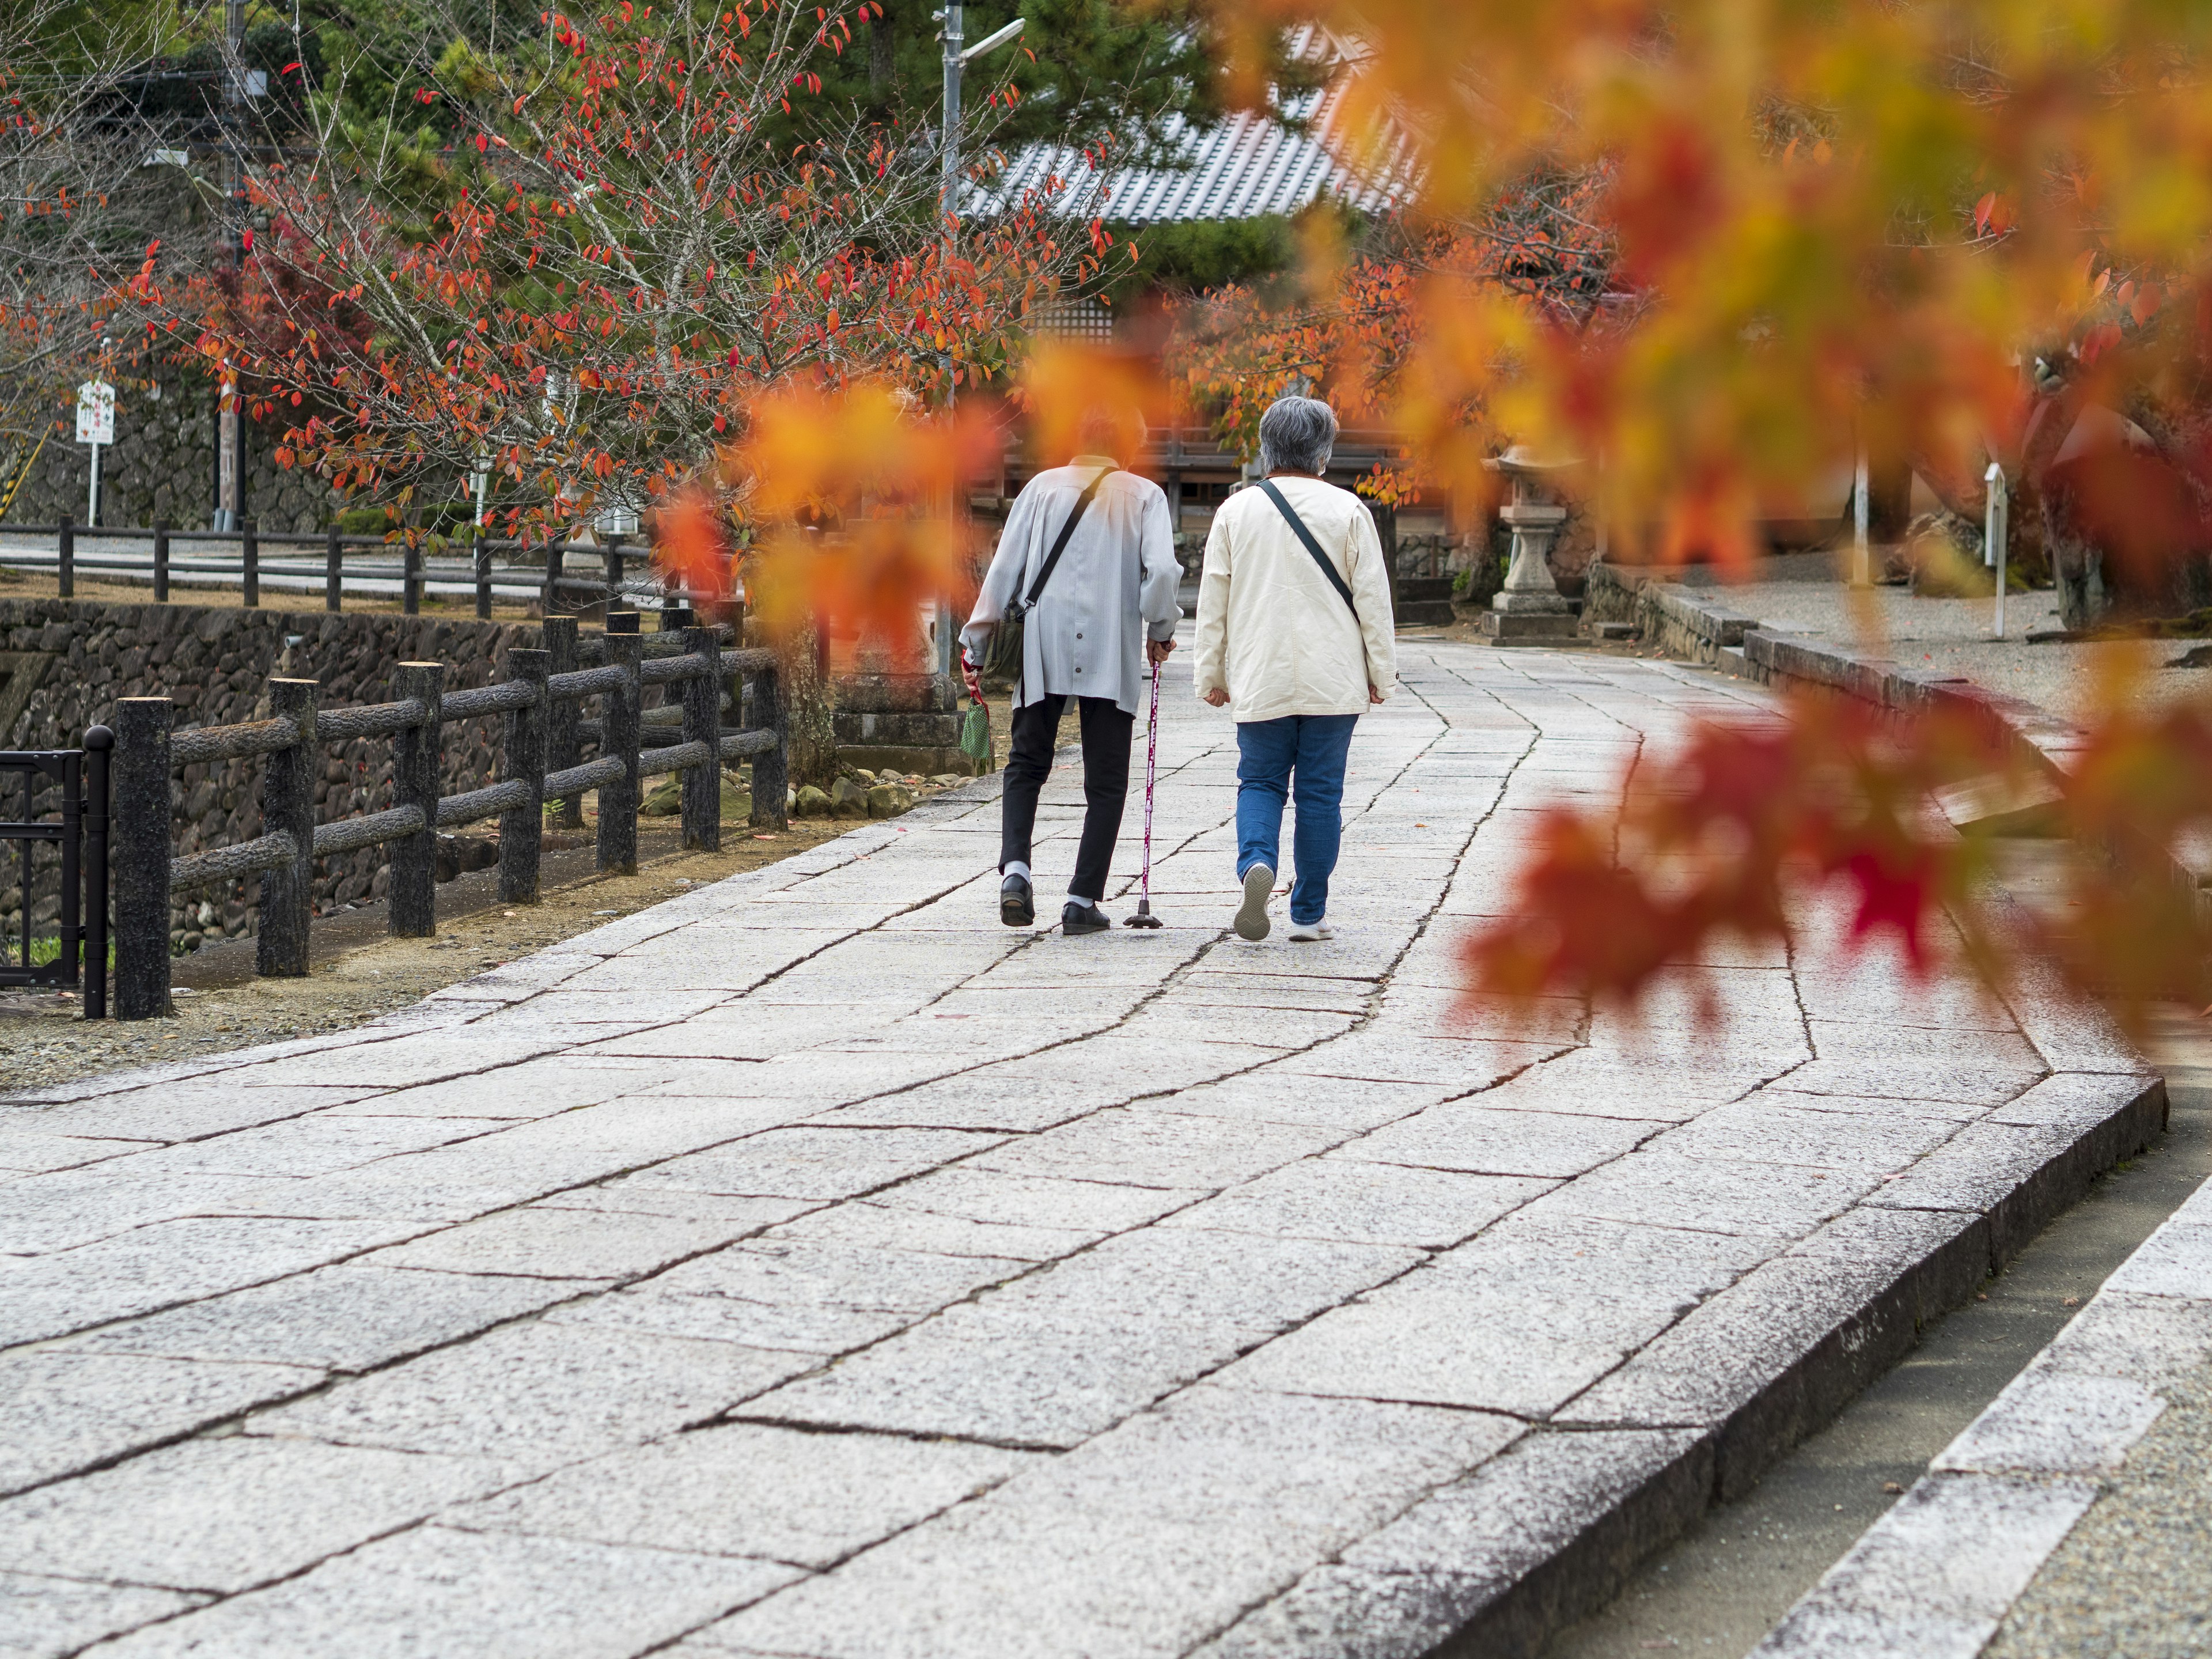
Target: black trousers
1107,733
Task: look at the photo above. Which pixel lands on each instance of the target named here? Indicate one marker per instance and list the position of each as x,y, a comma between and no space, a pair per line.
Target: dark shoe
1017,907
1076,918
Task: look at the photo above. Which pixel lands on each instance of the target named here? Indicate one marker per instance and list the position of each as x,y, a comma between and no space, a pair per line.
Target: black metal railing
538,763
486,567
79,833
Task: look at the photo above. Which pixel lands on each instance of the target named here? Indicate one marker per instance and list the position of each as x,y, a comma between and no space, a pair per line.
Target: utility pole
229,490
957,56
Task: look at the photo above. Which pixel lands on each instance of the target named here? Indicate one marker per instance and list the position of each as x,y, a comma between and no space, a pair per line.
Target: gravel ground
361,972
2133,1578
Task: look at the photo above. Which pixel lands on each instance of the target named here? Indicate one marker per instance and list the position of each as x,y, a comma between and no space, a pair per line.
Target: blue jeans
1269,753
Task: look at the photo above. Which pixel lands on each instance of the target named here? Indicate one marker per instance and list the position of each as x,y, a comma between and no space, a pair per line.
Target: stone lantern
1530,606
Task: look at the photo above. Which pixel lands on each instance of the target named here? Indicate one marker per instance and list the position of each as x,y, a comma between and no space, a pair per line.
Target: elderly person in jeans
1295,634
1087,559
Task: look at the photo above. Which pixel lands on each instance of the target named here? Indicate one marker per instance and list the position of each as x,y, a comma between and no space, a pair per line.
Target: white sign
96,413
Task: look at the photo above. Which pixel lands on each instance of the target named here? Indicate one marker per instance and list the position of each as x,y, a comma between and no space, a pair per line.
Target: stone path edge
1685,624
1583,1565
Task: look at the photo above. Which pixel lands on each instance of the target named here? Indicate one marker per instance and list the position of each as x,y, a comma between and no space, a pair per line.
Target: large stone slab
542,1395
1210,1505
743,1489
168,1263
351,1317
435,1589
225,1514
47,1618
63,1411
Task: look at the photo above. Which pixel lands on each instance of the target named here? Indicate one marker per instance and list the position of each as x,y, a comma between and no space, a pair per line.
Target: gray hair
1296,434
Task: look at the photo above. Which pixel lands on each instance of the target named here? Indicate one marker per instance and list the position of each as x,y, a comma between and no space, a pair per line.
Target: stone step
1425,613
1415,590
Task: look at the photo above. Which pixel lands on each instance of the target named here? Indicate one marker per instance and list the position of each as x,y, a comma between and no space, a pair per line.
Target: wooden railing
538,701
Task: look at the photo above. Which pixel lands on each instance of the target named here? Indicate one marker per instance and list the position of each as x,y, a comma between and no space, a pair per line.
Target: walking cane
1144,917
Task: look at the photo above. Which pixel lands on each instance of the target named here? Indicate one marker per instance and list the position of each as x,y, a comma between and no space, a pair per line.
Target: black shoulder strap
1282,502
1059,542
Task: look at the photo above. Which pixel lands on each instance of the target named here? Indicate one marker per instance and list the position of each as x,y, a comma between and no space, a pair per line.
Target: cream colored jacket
1271,631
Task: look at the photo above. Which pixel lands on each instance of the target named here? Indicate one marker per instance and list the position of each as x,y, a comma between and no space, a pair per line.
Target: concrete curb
1935,1577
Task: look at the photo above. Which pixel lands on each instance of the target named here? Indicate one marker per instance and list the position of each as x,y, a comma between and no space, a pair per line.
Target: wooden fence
540,701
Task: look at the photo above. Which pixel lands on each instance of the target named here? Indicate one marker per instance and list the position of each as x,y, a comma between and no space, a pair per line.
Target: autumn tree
597,245
79,206
1725,249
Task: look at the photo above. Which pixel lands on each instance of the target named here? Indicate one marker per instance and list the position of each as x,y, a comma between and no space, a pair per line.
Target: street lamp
957,56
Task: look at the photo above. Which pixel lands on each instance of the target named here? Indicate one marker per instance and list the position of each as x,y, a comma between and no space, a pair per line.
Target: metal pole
97,744
1861,564
92,503
142,857
160,565
288,807
230,445
948,209
482,561
948,201
614,563
1996,531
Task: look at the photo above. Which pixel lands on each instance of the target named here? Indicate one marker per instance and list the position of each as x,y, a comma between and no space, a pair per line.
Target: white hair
1296,434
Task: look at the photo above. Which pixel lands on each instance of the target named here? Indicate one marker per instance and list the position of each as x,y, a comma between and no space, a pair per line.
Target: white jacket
1114,586
1272,631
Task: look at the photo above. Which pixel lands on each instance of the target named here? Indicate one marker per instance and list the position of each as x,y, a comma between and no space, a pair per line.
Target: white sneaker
1252,921
1305,931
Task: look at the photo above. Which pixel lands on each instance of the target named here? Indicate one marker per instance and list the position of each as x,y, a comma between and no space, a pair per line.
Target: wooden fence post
414,894
522,757
482,560
614,560
288,807
141,840
161,564
410,580
334,571
549,600
618,726
703,723
771,767
66,580
559,634
99,746
249,559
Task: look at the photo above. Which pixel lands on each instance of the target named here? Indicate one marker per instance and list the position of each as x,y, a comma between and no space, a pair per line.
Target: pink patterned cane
1144,917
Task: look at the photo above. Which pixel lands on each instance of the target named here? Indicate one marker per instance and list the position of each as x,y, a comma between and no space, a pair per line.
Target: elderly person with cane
1086,564
1295,633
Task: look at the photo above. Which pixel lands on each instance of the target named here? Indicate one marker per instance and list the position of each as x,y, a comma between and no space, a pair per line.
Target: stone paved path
811,1266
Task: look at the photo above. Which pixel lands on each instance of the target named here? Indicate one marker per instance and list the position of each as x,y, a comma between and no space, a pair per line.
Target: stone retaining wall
64,663
1677,621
